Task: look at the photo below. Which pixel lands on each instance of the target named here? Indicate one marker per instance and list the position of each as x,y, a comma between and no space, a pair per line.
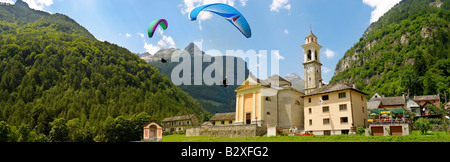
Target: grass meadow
415,136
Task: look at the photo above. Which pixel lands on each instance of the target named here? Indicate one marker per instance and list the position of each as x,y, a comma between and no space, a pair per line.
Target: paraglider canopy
153,25
229,13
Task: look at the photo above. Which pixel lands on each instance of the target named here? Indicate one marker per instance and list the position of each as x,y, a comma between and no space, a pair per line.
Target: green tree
59,132
5,132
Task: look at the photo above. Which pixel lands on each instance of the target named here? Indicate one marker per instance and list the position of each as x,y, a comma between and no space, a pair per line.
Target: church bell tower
312,65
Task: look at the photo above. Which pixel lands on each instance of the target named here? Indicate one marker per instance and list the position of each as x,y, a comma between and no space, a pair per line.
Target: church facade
322,110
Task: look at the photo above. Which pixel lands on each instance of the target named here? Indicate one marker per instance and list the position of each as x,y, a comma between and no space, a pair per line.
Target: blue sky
276,25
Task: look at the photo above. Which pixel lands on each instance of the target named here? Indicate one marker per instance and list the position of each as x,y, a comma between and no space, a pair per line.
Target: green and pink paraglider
153,25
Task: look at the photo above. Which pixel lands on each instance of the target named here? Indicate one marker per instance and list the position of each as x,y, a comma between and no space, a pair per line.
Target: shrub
423,125
360,130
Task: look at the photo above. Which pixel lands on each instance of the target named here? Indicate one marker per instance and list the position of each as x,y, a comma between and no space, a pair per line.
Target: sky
279,25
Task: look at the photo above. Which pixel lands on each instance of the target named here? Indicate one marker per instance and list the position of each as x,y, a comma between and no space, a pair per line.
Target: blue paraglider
228,12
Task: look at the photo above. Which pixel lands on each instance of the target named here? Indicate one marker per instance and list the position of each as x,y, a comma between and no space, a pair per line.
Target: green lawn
414,137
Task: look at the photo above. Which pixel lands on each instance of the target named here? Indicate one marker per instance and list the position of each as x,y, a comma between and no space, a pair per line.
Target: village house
179,123
335,109
398,104
272,102
428,99
223,119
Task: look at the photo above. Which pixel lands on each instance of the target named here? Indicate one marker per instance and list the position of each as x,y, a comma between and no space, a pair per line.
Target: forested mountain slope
406,49
57,78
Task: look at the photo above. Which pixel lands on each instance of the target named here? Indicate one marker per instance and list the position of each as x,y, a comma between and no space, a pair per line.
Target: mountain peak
21,3
293,75
192,47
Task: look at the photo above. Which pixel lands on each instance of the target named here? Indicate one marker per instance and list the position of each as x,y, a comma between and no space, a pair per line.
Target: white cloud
150,48
329,53
166,40
7,1
286,31
243,3
325,69
189,5
142,35
128,35
279,4
277,55
381,7
39,4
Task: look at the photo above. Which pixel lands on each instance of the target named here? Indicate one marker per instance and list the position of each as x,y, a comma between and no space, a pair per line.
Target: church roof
333,88
276,77
311,34
270,82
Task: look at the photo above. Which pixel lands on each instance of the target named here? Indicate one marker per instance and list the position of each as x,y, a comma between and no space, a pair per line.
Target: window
230,122
310,110
343,107
325,109
268,99
326,121
344,120
363,109
362,98
342,95
327,132
297,102
213,123
223,122
309,55
310,121
325,97
309,100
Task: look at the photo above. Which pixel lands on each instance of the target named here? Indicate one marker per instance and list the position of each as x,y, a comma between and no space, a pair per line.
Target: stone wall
231,131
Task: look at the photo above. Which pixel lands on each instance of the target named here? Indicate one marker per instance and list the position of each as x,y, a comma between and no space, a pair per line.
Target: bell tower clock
312,65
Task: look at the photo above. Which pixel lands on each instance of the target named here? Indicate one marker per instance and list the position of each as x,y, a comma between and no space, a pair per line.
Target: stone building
179,123
223,119
329,109
271,102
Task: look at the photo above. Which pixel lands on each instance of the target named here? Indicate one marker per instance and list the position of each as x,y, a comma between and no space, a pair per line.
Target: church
322,110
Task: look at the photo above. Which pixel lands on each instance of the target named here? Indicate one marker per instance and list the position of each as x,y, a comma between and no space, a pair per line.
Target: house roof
223,116
411,104
391,101
178,118
373,104
427,97
333,88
